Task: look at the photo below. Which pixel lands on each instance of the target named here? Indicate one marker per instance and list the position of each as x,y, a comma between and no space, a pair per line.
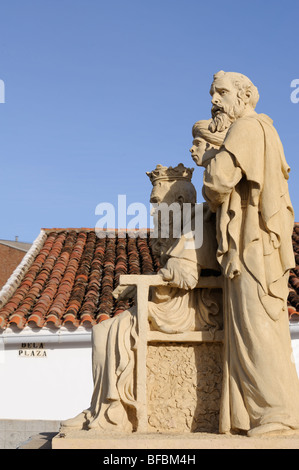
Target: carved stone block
184,386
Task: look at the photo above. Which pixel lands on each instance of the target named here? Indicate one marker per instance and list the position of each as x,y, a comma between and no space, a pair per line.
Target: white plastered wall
59,385
55,385
294,329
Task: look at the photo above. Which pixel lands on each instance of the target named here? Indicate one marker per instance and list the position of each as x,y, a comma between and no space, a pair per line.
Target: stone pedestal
98,440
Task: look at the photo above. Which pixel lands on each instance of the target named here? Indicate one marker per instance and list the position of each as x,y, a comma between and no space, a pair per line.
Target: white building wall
54,385
294,329
59,385
295,344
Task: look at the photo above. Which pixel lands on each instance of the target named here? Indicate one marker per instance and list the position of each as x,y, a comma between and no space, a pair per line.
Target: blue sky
97,93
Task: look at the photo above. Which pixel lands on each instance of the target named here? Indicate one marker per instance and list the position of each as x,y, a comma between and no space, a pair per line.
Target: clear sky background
99,92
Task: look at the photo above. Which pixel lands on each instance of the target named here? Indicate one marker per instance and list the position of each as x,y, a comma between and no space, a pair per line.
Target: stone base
183,387
94,439
38,441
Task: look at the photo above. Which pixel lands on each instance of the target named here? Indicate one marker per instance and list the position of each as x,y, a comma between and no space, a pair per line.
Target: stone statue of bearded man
246,184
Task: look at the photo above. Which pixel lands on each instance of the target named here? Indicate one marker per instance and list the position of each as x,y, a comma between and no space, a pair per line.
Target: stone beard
223,117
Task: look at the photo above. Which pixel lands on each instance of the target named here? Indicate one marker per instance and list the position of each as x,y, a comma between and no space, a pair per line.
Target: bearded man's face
227,106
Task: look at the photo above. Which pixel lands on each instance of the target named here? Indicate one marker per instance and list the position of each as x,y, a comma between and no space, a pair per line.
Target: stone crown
180,172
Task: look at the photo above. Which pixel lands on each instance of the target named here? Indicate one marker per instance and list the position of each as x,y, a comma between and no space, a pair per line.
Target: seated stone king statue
174,309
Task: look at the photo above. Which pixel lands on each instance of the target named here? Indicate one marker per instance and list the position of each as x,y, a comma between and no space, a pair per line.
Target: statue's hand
232,268
180,273
124,292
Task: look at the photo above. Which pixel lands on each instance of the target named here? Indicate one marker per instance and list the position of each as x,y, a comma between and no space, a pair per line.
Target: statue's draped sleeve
246,184
220,179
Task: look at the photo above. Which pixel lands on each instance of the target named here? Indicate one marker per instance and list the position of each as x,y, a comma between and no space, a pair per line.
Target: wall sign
32,350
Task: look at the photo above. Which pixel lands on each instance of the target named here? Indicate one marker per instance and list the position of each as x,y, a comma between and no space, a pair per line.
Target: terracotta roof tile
72,278
73,275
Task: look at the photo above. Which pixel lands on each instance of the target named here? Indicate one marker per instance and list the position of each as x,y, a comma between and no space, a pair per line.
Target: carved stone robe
246,185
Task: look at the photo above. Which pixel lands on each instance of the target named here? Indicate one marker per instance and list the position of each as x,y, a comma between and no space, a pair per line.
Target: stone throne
178,370
170,402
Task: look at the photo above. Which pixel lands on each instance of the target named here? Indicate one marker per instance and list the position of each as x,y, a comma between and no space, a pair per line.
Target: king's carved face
174,191
161,192
226,104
